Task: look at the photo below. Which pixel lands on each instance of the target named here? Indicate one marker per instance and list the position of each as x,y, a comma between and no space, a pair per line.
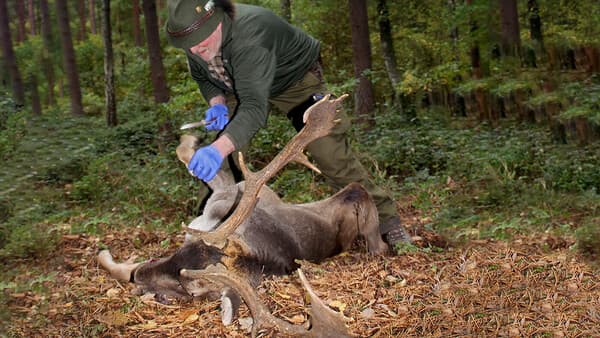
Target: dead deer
262,236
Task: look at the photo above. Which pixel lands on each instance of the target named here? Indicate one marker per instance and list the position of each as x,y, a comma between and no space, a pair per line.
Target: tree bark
62,16
477,73
32,24
593,56
20,9
535,22
81,14
137,31
157,70
47,60
36,106
364,100
286,9
92,15
109,78
531,54
387,45
9,56
511,38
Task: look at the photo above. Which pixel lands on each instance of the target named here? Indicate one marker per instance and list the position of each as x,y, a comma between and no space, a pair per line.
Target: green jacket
263,56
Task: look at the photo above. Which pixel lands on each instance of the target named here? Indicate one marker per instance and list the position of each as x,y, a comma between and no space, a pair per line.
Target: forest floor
531,285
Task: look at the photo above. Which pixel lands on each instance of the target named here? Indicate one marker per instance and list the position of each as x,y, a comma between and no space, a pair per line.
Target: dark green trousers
332,153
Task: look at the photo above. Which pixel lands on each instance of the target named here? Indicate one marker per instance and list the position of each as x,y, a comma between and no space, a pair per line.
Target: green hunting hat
191,21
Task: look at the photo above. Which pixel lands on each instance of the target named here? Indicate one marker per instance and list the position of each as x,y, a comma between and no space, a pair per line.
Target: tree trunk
9,56
109,78
92,15
286,9
535,33
157,70
62,16
20,9
137,31
387,46
593,56
47,60
477,73
36,106
511,38
364,100
552,110
456,103
32,25
81,14
159,9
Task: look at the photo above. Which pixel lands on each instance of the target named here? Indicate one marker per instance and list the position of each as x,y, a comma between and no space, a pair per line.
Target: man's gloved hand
216,117
205,163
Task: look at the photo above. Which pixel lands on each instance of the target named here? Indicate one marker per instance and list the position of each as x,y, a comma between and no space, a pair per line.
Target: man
249,55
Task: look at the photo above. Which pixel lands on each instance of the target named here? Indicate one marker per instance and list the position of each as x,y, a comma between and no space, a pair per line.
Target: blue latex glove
205,163
216,117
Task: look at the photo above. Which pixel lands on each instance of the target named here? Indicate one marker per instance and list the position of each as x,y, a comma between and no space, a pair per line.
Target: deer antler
324,321
319,119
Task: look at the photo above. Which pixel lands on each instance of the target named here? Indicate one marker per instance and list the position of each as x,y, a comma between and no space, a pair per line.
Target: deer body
276,234
246,232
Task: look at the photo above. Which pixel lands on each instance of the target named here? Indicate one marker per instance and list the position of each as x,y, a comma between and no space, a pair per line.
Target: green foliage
507,87
27,240
7,108
474,181
585,100
29,54
90,64
588,238
16,128
485,182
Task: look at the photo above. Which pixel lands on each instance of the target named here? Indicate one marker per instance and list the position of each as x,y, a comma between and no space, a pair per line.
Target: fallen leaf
246,323
367,313
113,292
283,295
190,319
149,325
113,318
296,319
338,305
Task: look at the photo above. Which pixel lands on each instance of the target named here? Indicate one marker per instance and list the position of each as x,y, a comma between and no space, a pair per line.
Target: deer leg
358,215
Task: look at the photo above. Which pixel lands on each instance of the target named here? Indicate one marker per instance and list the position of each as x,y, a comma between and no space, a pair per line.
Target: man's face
209,47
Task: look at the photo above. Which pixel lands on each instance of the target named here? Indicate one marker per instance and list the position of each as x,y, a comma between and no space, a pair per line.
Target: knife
196,124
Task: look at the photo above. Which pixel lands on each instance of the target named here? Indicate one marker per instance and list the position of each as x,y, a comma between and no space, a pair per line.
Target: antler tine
320,119
324,321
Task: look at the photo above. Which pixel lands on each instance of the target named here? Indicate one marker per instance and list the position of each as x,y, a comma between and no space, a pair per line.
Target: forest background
481,117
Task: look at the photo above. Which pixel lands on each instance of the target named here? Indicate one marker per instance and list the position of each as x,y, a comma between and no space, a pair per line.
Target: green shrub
588,238
30,241
27,235
15,128
7,108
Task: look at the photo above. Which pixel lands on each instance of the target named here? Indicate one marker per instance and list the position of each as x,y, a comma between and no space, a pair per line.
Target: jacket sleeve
254,71
207,89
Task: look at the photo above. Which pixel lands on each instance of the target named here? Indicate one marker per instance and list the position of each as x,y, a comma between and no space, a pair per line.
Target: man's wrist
224,145
216,100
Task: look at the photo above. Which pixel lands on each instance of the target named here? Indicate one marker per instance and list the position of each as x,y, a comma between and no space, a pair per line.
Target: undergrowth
80,177
486,182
